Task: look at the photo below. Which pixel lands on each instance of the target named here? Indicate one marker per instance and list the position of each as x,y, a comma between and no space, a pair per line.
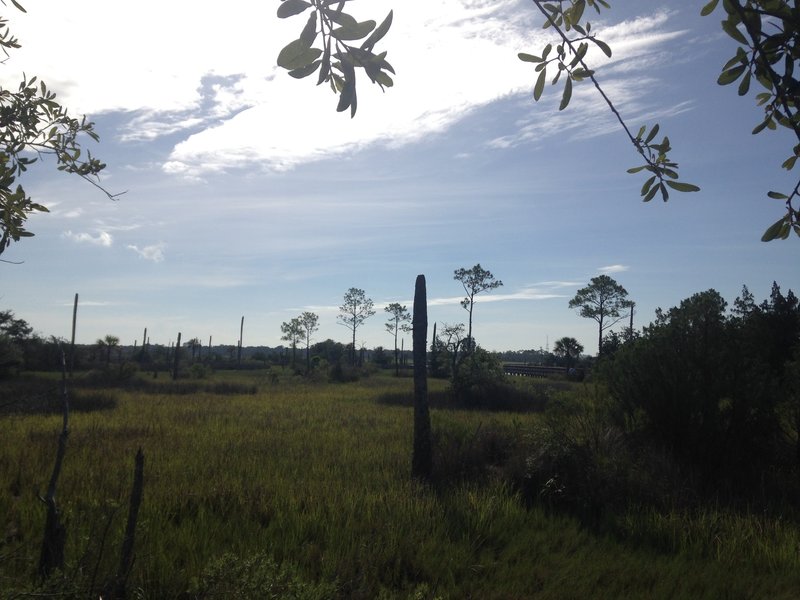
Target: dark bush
340,373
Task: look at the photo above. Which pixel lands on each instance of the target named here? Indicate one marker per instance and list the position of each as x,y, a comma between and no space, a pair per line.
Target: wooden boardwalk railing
526,370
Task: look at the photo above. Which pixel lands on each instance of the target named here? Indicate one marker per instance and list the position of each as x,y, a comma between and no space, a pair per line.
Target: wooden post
72,342
421,460
239,354
177,356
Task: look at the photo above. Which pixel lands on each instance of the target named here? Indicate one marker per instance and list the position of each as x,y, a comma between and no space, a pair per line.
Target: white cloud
210,77
613,269
101,239
154,252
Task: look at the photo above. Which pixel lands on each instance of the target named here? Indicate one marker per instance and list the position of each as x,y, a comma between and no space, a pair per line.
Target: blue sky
247,194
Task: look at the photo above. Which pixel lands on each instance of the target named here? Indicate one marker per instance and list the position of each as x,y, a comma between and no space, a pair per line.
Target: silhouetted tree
602,300
292,332
355,309
475,281
568,348
398,321
107,344
309,321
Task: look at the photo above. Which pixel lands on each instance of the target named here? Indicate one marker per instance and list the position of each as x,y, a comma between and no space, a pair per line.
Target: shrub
257,577
10,357
694,385
477,379
340,373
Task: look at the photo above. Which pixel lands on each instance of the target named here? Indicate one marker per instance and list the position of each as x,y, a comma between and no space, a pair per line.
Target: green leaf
709,8
603,46
581,74
529,58
651,194
731,75
633,170
380,32
731,29
777,196
347,97
760,127
18,5
565,97
383,79
290,8
305,71
325,71
309,33
651,136
788,164
680,186
646,187
744,86
577,12
340,18
664,192
539,87
579,54
296,55
774,230
353,32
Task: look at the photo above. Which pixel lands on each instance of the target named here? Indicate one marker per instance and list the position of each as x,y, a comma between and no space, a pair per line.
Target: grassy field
298,489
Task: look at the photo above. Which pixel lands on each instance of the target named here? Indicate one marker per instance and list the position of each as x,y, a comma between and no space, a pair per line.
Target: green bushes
707,388
479,383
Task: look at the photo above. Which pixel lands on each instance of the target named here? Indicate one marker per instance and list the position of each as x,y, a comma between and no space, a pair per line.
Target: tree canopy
602,300
355,309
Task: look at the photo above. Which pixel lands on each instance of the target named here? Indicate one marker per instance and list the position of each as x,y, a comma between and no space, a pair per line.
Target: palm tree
109,342
568,348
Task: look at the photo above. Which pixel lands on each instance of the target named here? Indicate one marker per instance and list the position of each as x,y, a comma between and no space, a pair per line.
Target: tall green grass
316,477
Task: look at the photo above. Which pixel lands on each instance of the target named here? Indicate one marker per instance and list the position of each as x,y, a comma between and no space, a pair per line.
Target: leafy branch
768,32
568,60
33,124
336,58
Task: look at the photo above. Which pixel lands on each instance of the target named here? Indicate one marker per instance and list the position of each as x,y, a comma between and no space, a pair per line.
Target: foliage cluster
337,58
711,387
33,125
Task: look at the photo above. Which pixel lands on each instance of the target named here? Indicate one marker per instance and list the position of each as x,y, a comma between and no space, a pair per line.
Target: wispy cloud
230,106
92,303
154,252
538,292
613,269
103,238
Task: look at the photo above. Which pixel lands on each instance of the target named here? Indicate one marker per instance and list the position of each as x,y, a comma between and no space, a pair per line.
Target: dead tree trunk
126,556
239,353
421,461
55,533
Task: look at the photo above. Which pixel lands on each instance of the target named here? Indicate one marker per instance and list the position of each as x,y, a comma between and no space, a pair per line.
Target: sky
247,194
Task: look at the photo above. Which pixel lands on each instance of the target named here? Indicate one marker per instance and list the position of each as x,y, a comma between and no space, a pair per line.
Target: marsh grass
308,485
